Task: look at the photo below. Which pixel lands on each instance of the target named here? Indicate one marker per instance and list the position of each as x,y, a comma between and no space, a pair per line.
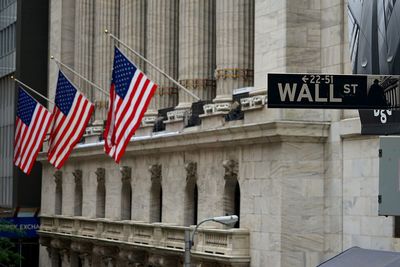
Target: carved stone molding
78,176
197,83
132,257
86,257
101,175
191,171
45,241
126,174
155,171
162,260
50,251
59,244
234,73
81,247
65,255
104,251
63,248
107,253
231,169
58,177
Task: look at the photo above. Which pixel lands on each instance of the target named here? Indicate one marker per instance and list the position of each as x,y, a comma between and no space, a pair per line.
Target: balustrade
208,242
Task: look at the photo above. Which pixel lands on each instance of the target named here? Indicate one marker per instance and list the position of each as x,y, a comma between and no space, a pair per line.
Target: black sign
331,91
380,121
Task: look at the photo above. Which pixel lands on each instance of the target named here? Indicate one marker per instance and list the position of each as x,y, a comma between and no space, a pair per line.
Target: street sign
332,91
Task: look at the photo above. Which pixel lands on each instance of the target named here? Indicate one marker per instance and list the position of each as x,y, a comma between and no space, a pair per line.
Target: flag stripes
130,95
32,123
71,115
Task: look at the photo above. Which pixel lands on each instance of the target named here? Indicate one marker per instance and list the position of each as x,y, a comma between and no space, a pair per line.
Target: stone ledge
313,132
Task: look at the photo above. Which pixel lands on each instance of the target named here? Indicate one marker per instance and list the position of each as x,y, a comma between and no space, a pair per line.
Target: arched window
191,195
126,193
231,190
232,199
78,193
156,194
100,193
191,204
156,203
58,200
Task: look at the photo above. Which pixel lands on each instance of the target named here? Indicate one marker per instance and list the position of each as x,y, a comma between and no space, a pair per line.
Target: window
100,193
232,189
191,204
126,201
396,226
156,194
156,203
232,199
58,202
78,193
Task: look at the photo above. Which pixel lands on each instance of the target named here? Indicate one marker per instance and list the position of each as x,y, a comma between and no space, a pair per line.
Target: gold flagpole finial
105,31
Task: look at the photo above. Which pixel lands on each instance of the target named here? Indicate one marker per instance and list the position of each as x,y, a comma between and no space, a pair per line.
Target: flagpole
154,66
80,76
32,90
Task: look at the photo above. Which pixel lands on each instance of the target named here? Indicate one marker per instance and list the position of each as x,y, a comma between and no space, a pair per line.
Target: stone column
235,47
83,57
196,50
132,28
61,43
106,17
162,50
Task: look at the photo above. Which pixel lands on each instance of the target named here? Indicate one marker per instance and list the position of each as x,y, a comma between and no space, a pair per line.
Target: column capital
155,172
100,174
58,177
231,169
191,171
126,174
78,176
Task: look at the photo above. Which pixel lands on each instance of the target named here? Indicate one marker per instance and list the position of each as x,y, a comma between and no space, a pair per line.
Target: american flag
72,112
33,121
130,95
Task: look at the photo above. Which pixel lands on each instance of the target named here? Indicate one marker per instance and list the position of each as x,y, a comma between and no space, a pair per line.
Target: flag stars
65,94
123,72
26,106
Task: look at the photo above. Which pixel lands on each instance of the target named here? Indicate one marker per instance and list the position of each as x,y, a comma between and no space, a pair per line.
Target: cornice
294,131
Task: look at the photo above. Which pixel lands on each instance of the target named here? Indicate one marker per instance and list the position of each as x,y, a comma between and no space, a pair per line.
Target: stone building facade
303,182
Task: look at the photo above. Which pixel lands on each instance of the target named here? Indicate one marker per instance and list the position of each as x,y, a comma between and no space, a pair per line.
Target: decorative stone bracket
78,176
231,169
58,178
191,171
155,172
126,174
101,175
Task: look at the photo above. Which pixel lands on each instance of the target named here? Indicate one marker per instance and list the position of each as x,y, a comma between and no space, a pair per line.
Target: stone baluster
196,50
106,17
162,50
235,47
